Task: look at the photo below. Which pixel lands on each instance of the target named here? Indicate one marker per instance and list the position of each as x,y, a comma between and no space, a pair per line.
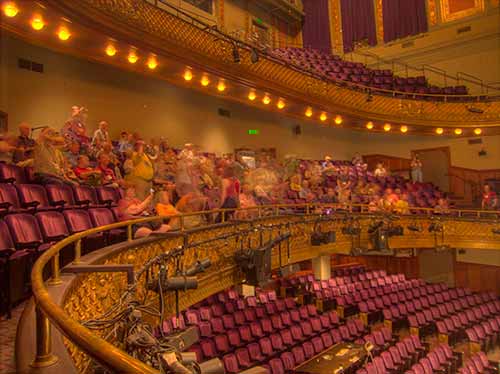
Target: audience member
416,169
25,145
490,199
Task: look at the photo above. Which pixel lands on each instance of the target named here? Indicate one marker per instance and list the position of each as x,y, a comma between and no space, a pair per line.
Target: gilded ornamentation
335,26
379,21
447,13
432,11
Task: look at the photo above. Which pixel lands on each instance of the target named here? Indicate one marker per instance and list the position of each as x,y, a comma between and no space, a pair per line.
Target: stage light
63,33
236,55
188,75
110,50
204,81
198,267
369,125
254,56
338,120
458,131
281,104
152,63
37,23
266,99
221,86
10,9
309,112
387,127
439,131
251,95
404,129
478,131
132,57
323,117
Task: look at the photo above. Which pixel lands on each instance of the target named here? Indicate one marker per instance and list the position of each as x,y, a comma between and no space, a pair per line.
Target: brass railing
48,312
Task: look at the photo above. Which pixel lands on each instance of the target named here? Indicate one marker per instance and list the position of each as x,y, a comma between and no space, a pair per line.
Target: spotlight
439,131
152,63
404,129
281,104
205,81
221,86
369,125
266,99
188,75
63,33
338,120
478,131
369,97
178,283
435,227
387,127
309,112
198,267
37,23
458,131
10,9
414,228
132,57
374,227
252,95
254,56
110,50
236,54
323,117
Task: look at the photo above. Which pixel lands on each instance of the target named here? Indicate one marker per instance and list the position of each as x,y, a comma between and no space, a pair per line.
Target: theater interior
250,186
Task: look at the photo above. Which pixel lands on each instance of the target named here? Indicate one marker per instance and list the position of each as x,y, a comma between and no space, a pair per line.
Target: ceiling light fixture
323,117
387,127
404,129
478,131
37,23
266,99
110,50
439,131
204,81
458,131
309,112
132,57
221,86
338,120
281,104
369,125
188,75
10,9
251,95
63,33
152,63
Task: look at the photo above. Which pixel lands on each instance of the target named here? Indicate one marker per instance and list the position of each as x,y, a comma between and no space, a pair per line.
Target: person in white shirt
101,135
380,170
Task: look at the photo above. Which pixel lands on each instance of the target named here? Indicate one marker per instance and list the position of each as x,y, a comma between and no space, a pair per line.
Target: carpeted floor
8,330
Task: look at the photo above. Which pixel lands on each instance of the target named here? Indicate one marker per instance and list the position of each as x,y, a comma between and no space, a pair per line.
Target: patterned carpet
8,340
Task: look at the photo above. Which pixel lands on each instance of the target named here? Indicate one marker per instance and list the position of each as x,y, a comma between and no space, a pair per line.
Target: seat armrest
31,204
5,205
83,202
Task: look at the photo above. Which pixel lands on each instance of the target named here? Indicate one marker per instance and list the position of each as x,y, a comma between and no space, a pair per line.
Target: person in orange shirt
164,208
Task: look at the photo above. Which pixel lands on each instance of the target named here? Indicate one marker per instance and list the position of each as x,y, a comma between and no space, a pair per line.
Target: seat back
85,195
10,173
8,194
108,195
52,225
58,193
33,193
77,220
24,230
6,242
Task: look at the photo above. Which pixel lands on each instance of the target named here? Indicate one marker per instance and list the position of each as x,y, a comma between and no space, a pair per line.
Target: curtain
316,29
403,18
358,22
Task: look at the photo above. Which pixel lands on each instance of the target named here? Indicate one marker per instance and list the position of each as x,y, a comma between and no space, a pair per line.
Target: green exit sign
253,132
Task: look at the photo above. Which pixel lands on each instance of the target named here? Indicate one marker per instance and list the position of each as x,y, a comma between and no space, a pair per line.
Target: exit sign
253,132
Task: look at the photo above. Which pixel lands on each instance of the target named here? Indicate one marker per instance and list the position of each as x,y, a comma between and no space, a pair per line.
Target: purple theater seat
9,199
85,196
277,342
10,173
222,344
33,196
25,232
78,220
243,357
234,338
103,217
255,352
108,196
276,366
60,195
231,363
287,338
266,347
13,269
288,360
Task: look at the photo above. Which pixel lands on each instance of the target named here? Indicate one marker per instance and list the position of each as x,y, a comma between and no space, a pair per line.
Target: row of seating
478,363
17,198
24,236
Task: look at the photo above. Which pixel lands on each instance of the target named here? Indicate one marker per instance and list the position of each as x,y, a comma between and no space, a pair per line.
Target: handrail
103,351
265,53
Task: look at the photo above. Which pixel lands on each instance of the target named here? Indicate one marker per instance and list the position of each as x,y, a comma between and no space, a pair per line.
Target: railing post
56,273
44,356
78,252
129,233
181,223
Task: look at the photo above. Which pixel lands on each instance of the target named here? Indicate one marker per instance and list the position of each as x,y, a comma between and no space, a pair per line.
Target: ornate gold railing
462,229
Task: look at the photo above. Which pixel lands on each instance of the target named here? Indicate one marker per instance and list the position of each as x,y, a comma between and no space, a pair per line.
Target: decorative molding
379,20
432,12
336,26
447,16
221,19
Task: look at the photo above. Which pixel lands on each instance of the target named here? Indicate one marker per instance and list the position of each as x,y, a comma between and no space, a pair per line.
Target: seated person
23,154
130,207
72,154
380,171
164,208
190,203
442,207
402,206
329,197
246,201
305,192
108,176
85,173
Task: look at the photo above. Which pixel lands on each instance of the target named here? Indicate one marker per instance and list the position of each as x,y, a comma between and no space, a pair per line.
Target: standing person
23,154
142,171
230,192
416,169
101,135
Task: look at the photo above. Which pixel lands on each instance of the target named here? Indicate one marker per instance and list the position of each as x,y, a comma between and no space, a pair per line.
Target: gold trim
446,16
432,12
379,11
336,27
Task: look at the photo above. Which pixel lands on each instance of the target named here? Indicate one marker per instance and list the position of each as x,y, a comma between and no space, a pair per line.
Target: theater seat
103,217
10,173
34,197
78,220
61,195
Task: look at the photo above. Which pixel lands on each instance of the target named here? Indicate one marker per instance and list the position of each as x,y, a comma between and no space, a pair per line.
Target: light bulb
152,63
458,131
266,100
10,9
338,120
439,131
221,87
281,104
252,96
404,129
387,127
188,75
309,112
37,23
369,125
132,57
478,131
110,50
63,33
205,81
323,117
